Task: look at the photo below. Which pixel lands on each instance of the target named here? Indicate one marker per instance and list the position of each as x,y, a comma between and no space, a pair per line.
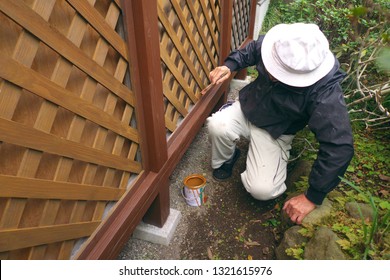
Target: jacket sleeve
248,56
329,121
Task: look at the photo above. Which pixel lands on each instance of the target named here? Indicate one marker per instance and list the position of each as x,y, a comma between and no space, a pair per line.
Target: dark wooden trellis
94,117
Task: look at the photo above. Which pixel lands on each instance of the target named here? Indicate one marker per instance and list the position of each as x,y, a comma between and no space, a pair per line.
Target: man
298,85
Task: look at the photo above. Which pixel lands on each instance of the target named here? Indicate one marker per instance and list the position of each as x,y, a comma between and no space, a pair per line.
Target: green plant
379,225
358,33
271,222
296,252
304,146
330,15
252,72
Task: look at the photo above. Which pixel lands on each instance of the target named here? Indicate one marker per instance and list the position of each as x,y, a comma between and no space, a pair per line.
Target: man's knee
263,190
218,127
212,124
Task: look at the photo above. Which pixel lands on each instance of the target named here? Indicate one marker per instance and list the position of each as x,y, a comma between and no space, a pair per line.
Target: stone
334,194
323,246
291,239
353,210
315,217
319,214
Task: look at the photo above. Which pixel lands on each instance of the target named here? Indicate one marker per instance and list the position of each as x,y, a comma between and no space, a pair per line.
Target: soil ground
234,225
230,225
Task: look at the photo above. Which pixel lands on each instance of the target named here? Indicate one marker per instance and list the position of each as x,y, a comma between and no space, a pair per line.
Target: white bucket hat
297,54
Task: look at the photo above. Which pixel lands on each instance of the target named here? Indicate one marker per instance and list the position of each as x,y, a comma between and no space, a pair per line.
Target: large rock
323,246
353,210
319,214
291,239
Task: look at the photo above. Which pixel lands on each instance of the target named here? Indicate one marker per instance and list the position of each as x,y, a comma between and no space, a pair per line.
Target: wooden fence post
252,19
226,29
143,40
225,41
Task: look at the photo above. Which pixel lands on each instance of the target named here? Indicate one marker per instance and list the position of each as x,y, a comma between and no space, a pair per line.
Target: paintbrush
206,89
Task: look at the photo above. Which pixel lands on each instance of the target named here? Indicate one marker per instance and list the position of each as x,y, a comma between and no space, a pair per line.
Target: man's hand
298,207
219,74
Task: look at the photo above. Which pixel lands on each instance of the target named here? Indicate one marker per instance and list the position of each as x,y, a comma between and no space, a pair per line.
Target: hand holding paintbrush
217,76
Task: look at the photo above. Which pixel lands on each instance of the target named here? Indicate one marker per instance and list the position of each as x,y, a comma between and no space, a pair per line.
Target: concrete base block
158,235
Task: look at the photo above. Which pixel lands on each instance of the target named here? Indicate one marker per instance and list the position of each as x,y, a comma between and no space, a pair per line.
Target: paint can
194,190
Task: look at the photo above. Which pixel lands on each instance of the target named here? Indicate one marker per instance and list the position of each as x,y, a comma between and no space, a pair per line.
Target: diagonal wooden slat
118,3
240,22
12,186
100,25
13,239
22,135
176,41
24,53
172,67
178,105
24,16
209,24
215,14
190,36
171,126
38,84
201,33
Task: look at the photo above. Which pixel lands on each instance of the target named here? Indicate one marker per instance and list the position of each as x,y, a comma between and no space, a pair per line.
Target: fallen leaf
384,178
268,215
250,257
384,193
242,231
266,251
251,243
209,253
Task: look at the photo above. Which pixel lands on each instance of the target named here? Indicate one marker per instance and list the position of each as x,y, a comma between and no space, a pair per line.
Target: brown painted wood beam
226,29
225,41
141,23
252,19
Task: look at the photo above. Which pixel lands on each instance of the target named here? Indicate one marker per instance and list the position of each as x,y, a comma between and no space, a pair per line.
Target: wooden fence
94,116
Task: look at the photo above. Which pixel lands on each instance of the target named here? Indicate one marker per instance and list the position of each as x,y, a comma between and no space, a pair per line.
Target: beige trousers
266,163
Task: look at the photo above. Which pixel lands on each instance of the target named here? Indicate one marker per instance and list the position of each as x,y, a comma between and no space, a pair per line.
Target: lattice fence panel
189,47
240,22
68,136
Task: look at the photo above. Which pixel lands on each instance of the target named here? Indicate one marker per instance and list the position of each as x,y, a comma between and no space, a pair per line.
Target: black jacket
282,109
